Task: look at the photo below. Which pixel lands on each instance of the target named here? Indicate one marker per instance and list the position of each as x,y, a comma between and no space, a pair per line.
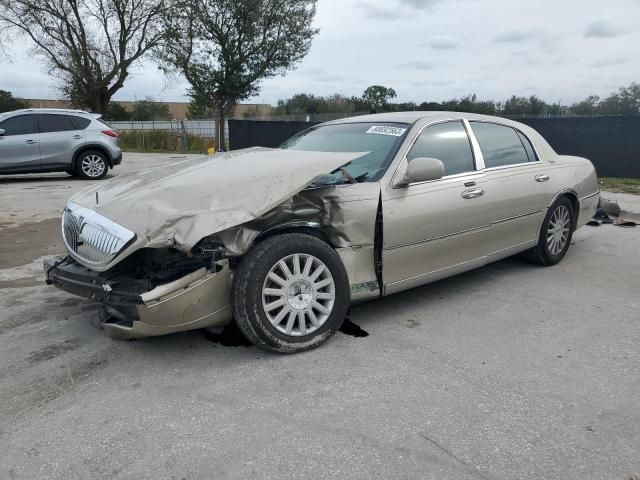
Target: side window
500,145
20,125
55,123
528,147
448,142
80,123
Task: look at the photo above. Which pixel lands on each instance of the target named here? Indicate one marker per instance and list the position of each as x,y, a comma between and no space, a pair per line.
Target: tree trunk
220,129
100,104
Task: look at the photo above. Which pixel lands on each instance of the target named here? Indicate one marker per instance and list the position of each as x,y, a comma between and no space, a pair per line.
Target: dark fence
611,143
256,133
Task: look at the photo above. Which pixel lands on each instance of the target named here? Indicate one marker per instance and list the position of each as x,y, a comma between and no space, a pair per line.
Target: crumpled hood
181,203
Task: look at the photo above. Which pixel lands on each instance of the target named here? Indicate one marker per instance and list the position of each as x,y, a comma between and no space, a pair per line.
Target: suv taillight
110,133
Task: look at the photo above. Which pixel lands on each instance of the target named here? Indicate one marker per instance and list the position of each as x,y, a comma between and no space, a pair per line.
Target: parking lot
509,371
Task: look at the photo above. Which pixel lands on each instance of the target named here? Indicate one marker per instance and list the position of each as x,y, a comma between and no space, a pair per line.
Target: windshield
379,140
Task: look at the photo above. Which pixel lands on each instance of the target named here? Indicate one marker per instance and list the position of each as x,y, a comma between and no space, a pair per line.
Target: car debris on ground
610,208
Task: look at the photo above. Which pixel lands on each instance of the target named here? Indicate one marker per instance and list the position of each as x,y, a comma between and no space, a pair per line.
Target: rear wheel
555,234
92,164
291,293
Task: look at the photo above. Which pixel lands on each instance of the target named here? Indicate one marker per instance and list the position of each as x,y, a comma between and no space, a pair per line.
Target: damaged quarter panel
345,215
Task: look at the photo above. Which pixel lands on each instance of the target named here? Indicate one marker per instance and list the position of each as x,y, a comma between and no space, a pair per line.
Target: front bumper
198,300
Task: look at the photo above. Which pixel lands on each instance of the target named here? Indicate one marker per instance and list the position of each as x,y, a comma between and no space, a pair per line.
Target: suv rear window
80,122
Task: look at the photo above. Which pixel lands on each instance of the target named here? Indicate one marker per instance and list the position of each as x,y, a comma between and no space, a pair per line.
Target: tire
283,315
555,234
92,165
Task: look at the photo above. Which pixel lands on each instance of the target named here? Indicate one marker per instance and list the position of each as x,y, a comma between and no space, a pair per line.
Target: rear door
436,228
19,145
517,180
60,137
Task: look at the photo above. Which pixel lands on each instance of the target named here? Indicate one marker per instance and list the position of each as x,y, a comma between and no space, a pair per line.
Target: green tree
9,103
148,109
625,102
300,103
338,103
588,106
117,113
377,97
90,45
225,48
525,106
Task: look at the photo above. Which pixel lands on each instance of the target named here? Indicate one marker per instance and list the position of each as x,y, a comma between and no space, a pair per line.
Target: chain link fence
201,128
170,135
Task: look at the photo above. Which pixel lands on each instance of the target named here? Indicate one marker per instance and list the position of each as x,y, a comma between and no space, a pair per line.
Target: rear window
501,146
80,122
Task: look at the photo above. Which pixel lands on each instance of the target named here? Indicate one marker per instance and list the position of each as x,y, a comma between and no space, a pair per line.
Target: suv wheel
291,293
92,165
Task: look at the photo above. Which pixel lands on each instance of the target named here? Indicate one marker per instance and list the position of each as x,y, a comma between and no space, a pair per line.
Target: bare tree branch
90,44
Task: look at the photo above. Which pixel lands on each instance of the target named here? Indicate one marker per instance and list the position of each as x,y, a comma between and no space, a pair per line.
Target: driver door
436,228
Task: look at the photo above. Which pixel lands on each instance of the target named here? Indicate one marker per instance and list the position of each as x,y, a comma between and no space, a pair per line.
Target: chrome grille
90,238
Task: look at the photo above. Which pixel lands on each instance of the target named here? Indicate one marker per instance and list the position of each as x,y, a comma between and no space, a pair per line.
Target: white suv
56,140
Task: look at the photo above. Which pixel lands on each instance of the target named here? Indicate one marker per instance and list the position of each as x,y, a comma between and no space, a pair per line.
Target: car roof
412,117
51,110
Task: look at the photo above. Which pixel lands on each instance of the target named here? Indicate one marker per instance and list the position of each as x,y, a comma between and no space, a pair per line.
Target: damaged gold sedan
283,240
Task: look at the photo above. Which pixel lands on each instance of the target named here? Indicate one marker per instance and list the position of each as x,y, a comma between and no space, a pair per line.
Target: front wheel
291,293
555,234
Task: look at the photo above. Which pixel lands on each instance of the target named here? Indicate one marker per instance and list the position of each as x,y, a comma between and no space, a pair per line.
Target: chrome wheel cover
558,230
93,165
298,294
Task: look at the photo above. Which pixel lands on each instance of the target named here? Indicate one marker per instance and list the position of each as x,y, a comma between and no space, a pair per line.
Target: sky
427,50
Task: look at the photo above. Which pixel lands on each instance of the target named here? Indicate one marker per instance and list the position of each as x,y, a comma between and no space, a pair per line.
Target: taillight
110,133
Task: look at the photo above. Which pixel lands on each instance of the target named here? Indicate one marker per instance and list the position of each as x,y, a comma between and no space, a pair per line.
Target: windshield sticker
380,130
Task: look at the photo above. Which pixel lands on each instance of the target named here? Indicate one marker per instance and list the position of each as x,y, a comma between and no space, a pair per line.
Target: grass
620,185
161,141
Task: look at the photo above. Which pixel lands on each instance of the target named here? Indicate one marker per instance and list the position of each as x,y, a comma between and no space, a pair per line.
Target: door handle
541,177
30,142
77,137
473,193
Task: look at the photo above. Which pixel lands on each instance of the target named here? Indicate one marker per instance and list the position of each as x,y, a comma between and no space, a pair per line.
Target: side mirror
2,132
422,169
